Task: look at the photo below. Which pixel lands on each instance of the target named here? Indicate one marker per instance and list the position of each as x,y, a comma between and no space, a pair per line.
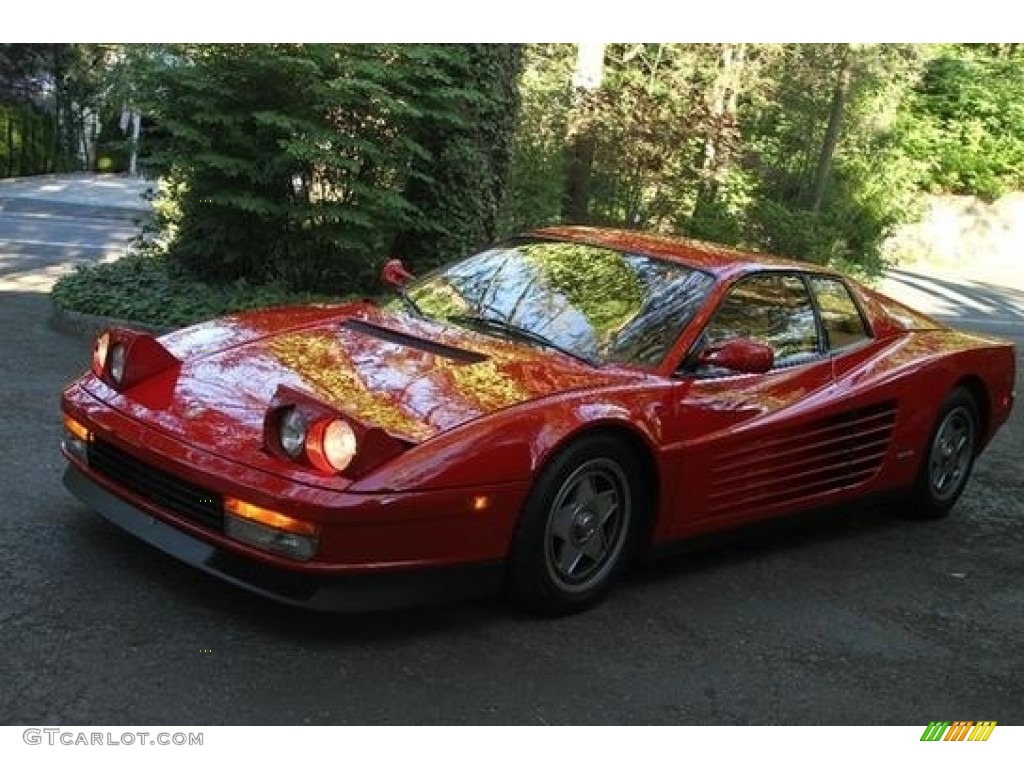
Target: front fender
513,444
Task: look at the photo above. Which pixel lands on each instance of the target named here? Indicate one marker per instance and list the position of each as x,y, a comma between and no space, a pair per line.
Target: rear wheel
578,527
948,458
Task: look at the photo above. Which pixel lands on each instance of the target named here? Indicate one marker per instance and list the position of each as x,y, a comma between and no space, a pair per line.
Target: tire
578,528
947,459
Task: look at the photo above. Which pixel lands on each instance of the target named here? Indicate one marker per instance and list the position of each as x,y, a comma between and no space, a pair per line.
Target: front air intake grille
168,492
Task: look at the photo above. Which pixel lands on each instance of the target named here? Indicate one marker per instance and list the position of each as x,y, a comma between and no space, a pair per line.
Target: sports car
531,418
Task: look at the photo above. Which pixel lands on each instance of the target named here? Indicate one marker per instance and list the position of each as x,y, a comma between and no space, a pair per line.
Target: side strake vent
822,456
414,342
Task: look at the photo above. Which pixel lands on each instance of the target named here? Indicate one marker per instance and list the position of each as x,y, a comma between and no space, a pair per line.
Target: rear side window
842,321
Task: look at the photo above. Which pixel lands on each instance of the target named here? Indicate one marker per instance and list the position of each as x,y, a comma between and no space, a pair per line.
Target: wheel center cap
584,526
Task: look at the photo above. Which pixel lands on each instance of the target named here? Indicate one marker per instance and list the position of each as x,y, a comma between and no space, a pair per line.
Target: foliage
967,121
305,166
869,184
788,148
26,131
651,125
149,289
305,163
64,101
26,141
536,175
467,98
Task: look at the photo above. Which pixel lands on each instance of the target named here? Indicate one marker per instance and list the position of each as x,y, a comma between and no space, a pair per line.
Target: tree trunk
835,120
10,146
579,164
579,158
722,108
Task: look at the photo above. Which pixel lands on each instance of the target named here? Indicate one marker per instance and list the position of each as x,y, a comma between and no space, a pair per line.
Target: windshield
595,303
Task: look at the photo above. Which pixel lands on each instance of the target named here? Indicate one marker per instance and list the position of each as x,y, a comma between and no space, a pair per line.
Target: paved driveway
50,223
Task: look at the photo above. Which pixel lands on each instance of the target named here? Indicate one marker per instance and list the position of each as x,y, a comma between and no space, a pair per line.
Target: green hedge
150,289
26,141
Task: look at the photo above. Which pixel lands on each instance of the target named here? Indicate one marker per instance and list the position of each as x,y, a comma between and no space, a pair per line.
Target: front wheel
948,459
578,527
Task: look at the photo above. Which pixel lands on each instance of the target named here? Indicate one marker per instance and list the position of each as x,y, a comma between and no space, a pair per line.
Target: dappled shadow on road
100,211
36,248
704,556
35,269
967,299
763,540
28,277
165,578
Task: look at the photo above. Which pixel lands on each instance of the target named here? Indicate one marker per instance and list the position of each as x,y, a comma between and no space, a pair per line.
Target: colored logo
961,730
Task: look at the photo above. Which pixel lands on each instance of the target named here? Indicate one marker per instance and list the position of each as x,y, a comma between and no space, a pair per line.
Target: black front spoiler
347,593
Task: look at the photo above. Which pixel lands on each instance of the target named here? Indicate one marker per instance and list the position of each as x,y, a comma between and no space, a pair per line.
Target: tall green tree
537,169
466,100
307,163
791,148
65,84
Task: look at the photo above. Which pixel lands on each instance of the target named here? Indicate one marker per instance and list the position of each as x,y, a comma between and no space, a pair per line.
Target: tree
537,167
587,79
966,121
308,163
466,97
62,84
840,94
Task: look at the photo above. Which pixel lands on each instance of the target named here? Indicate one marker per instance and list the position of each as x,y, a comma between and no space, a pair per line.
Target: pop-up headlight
304,430
122,358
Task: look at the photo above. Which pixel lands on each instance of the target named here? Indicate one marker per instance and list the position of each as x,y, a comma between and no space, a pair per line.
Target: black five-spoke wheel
587,524
948,458
578,527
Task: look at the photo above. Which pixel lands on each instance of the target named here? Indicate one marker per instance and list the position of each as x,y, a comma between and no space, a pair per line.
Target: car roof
721,260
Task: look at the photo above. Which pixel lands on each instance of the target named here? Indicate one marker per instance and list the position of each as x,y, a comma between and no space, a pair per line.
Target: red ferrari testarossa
529,418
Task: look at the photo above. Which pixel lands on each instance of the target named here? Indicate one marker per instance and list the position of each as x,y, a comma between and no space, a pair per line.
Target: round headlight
117,354
293,433
339,444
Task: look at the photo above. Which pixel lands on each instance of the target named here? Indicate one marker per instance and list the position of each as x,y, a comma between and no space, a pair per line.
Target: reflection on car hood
409,376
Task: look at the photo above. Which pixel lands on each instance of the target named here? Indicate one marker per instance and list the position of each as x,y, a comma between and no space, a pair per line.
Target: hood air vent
414,342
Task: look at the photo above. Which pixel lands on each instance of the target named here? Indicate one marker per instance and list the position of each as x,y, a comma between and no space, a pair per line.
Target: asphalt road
39,240
857,618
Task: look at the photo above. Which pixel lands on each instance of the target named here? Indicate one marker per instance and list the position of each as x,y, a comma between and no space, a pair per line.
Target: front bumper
363,592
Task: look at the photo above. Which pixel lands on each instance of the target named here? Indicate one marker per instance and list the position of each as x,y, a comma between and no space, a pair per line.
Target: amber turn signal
76,429
269,517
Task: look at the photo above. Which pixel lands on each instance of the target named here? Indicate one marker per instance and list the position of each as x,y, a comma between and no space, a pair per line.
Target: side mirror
739,355
394,273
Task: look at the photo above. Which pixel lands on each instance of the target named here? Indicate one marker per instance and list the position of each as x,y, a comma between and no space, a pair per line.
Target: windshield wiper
409,301
506,328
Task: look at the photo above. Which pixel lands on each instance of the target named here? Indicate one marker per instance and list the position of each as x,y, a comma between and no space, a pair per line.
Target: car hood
409,376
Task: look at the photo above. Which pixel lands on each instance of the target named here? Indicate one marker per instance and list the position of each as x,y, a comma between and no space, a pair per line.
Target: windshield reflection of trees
599,303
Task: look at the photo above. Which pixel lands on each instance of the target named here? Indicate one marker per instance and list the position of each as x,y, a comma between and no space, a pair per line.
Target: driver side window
774,309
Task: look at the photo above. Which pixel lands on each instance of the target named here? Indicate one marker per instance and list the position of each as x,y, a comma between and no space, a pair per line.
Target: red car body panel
355,358
480,417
